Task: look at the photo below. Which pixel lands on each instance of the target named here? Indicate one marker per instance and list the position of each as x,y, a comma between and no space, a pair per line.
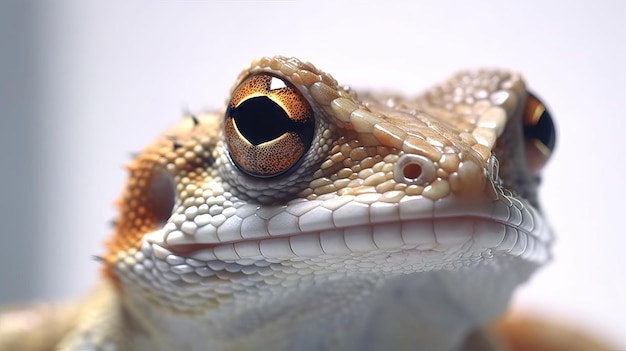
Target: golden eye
539,133
268,126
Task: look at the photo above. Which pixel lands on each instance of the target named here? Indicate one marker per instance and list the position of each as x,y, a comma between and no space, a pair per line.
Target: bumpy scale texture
396,223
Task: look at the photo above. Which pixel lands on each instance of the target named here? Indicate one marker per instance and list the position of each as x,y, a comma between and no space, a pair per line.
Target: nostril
414,170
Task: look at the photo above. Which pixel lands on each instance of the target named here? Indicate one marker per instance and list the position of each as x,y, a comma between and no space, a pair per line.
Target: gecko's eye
539,133
268,126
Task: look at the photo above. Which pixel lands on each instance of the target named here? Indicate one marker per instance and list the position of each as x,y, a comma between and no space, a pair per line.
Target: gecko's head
301,182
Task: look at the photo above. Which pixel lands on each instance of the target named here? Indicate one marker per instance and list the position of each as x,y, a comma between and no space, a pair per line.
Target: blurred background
85,83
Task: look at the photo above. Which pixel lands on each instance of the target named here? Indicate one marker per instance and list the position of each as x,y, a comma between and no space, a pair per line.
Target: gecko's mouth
452,224
187,250
462,235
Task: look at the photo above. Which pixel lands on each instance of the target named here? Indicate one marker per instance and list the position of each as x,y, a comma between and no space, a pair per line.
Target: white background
107,77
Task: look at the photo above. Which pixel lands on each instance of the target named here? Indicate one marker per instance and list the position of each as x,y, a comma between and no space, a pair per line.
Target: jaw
198,276
425,310
416,285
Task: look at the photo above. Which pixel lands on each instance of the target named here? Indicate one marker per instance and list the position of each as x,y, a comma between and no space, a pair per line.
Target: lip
319,227
466,235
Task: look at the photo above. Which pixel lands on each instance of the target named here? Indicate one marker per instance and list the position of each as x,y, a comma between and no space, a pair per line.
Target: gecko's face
299,183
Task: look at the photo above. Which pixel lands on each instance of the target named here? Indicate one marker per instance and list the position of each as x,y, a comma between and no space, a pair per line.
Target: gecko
307,215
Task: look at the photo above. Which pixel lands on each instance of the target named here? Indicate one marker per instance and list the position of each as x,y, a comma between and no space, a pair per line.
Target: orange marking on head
145,204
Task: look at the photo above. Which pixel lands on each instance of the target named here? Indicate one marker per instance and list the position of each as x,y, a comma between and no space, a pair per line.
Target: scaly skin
353,222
